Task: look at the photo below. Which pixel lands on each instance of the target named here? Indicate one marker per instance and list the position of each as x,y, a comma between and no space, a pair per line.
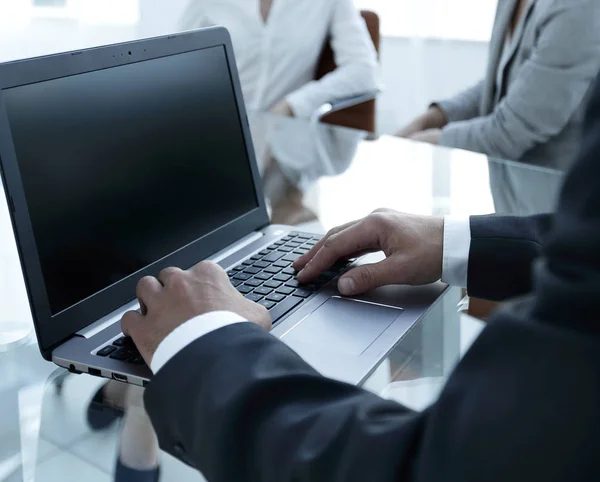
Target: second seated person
278,44
544,56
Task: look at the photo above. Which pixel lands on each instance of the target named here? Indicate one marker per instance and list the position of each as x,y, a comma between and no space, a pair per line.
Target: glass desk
315,177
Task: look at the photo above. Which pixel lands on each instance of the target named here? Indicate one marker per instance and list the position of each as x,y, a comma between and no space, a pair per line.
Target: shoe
100,416
126,474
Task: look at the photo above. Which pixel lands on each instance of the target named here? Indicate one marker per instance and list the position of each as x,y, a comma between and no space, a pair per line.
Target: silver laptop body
123,160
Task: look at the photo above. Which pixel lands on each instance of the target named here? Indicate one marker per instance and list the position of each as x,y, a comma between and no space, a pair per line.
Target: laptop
123,160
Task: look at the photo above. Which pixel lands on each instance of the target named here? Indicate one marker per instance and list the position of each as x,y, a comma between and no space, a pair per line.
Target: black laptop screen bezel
52,330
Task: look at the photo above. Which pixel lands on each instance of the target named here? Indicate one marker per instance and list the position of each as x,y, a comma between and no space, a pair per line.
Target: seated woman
544,56
278,44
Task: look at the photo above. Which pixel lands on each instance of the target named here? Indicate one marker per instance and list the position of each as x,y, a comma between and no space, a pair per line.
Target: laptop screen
124,166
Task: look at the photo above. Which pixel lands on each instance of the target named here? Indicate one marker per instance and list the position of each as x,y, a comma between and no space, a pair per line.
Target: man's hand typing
413,246
177,296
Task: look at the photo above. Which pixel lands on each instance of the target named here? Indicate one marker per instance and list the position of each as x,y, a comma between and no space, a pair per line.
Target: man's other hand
177,296
413,246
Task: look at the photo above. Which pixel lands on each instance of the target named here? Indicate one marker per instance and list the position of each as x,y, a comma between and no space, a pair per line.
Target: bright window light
470,20
15,14
95,12
88,12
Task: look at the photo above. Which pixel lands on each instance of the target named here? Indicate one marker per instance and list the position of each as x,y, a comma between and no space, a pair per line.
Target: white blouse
277,59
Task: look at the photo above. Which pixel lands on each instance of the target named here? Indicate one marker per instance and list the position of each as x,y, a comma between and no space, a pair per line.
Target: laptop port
95,372
119,378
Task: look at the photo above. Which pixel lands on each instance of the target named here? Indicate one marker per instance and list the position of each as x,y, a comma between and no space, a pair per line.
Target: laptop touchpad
343,325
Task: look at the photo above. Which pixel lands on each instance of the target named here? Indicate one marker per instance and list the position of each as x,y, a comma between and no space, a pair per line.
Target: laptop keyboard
122,349
266,278
269,279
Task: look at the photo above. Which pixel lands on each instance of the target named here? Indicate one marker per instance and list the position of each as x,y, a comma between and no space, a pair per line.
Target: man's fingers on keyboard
303,260
130,322
354,239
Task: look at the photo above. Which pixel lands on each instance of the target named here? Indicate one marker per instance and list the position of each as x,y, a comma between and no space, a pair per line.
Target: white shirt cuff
457,242
189,332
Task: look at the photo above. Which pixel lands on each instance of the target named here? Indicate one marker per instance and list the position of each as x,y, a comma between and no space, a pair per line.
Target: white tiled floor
93,460
46,450
99,449
66,467
64,448
63,421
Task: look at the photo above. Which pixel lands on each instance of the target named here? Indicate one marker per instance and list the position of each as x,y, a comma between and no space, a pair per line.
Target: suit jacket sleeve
239,405
463,106
502,252
562,67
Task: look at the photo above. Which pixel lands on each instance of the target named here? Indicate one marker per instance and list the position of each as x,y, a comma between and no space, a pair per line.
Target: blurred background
430,49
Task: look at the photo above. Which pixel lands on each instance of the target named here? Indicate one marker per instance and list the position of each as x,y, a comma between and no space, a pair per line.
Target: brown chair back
360,116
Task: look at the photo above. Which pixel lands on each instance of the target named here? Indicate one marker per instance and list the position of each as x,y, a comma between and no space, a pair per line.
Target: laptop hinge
115,317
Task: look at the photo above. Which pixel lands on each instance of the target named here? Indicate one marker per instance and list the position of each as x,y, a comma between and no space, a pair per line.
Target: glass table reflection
314,177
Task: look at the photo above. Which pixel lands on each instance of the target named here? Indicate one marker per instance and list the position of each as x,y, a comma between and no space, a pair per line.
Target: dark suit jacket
503,249
522,406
